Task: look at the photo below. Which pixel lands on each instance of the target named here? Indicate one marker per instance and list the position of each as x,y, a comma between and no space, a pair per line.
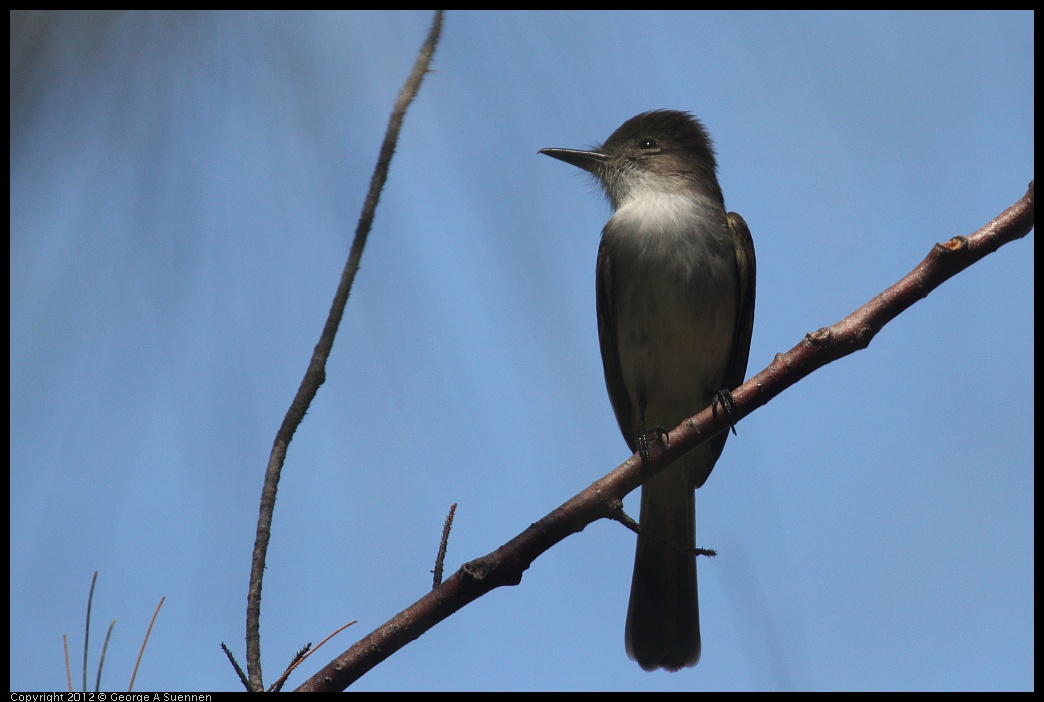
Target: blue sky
183,192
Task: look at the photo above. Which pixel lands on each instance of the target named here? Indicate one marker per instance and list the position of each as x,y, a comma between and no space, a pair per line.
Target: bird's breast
673,300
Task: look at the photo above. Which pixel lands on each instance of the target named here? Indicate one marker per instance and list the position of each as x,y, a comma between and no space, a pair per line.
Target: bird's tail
663,618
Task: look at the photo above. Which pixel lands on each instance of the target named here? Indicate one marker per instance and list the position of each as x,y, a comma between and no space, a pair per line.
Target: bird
675,289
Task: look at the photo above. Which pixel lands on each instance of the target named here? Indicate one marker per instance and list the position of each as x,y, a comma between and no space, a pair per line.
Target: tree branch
603,498
315,375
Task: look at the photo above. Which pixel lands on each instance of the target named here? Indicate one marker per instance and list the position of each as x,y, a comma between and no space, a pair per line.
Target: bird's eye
648,144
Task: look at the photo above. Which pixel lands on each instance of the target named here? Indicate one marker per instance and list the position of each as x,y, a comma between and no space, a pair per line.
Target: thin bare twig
315,375
617,514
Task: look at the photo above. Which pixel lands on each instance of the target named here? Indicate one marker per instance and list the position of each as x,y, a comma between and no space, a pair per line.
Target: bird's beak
591,161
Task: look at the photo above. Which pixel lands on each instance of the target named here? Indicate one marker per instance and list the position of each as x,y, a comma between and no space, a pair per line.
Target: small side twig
278,684
298,657
617,514
441,557
235,664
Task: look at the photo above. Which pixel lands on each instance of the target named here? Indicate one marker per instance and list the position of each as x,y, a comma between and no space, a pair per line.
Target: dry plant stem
144,642
316,373
603,498
87,628
68,668
101,661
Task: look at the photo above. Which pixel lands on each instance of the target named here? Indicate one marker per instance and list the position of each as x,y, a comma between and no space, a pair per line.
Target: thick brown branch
506,565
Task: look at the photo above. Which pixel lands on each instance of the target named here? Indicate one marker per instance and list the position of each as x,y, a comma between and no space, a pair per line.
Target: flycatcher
674,288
